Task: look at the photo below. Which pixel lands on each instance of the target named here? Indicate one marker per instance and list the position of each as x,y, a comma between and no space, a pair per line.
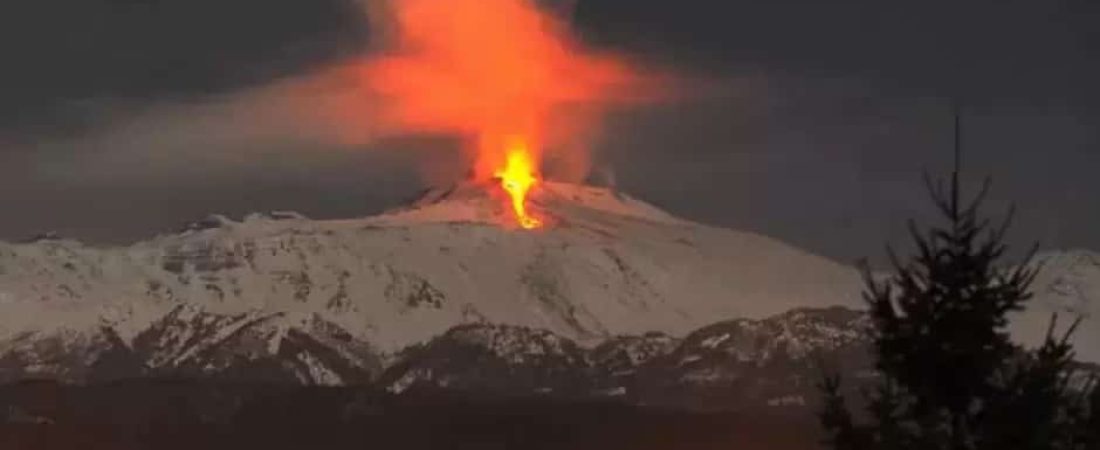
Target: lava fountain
503,73
517,177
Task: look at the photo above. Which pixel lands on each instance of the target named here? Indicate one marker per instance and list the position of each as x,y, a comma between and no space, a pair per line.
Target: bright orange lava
517,177
494,71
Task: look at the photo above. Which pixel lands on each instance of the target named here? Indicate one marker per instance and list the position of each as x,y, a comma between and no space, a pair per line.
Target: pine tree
1036,403
950,377
837,419
1087,424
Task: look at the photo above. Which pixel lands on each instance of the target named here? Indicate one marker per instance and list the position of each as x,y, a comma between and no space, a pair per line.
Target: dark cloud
823,115
840,174
854,103
64,58
982,50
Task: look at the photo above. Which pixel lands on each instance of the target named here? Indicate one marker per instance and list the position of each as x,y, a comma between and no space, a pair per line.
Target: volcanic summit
209,297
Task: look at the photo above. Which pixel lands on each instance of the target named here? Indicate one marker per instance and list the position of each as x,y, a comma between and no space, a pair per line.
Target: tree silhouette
949,376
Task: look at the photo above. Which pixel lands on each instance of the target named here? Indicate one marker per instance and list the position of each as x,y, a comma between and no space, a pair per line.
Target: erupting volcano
503,74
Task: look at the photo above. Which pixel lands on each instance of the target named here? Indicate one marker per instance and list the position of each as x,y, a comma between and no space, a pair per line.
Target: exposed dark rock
507,360
737,364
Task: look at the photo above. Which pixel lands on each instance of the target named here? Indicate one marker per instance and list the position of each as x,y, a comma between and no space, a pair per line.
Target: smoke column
504,74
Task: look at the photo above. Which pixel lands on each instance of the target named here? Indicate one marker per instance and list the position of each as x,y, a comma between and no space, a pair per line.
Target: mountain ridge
594,271
339,301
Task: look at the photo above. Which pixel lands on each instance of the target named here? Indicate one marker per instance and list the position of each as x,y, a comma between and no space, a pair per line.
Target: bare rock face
493,359
195,344
775,362
69,356
739,364
622,356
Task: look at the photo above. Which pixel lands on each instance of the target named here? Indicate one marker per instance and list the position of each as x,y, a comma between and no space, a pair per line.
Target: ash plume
476,76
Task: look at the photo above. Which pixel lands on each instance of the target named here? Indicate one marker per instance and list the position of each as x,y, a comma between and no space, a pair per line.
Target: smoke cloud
463,75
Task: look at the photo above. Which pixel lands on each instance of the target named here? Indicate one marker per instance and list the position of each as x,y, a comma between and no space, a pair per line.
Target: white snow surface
1068,284
604,264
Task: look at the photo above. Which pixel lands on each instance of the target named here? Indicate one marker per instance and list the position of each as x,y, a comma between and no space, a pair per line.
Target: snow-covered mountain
1068,284
741,363
605,265
279,296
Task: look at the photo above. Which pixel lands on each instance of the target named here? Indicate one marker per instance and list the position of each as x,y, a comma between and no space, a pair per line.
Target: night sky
813,122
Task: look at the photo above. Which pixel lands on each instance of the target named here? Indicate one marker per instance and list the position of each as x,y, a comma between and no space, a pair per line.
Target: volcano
340,301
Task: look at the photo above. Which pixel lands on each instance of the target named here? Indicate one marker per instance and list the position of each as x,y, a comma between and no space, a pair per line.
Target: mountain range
612,298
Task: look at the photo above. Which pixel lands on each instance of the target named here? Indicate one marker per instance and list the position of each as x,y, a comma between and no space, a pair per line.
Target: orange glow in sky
496,71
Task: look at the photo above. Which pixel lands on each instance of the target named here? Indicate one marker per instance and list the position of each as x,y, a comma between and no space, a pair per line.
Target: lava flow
517,177
503,74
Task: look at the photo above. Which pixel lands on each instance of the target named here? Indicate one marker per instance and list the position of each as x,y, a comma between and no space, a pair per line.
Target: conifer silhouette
949,376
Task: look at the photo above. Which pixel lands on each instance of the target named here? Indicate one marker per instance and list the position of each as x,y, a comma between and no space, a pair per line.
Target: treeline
169,415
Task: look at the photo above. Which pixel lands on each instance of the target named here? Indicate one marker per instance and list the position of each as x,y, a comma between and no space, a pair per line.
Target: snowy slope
605,265
1068,284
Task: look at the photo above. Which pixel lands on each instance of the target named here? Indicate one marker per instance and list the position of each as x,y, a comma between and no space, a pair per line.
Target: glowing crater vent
517,177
